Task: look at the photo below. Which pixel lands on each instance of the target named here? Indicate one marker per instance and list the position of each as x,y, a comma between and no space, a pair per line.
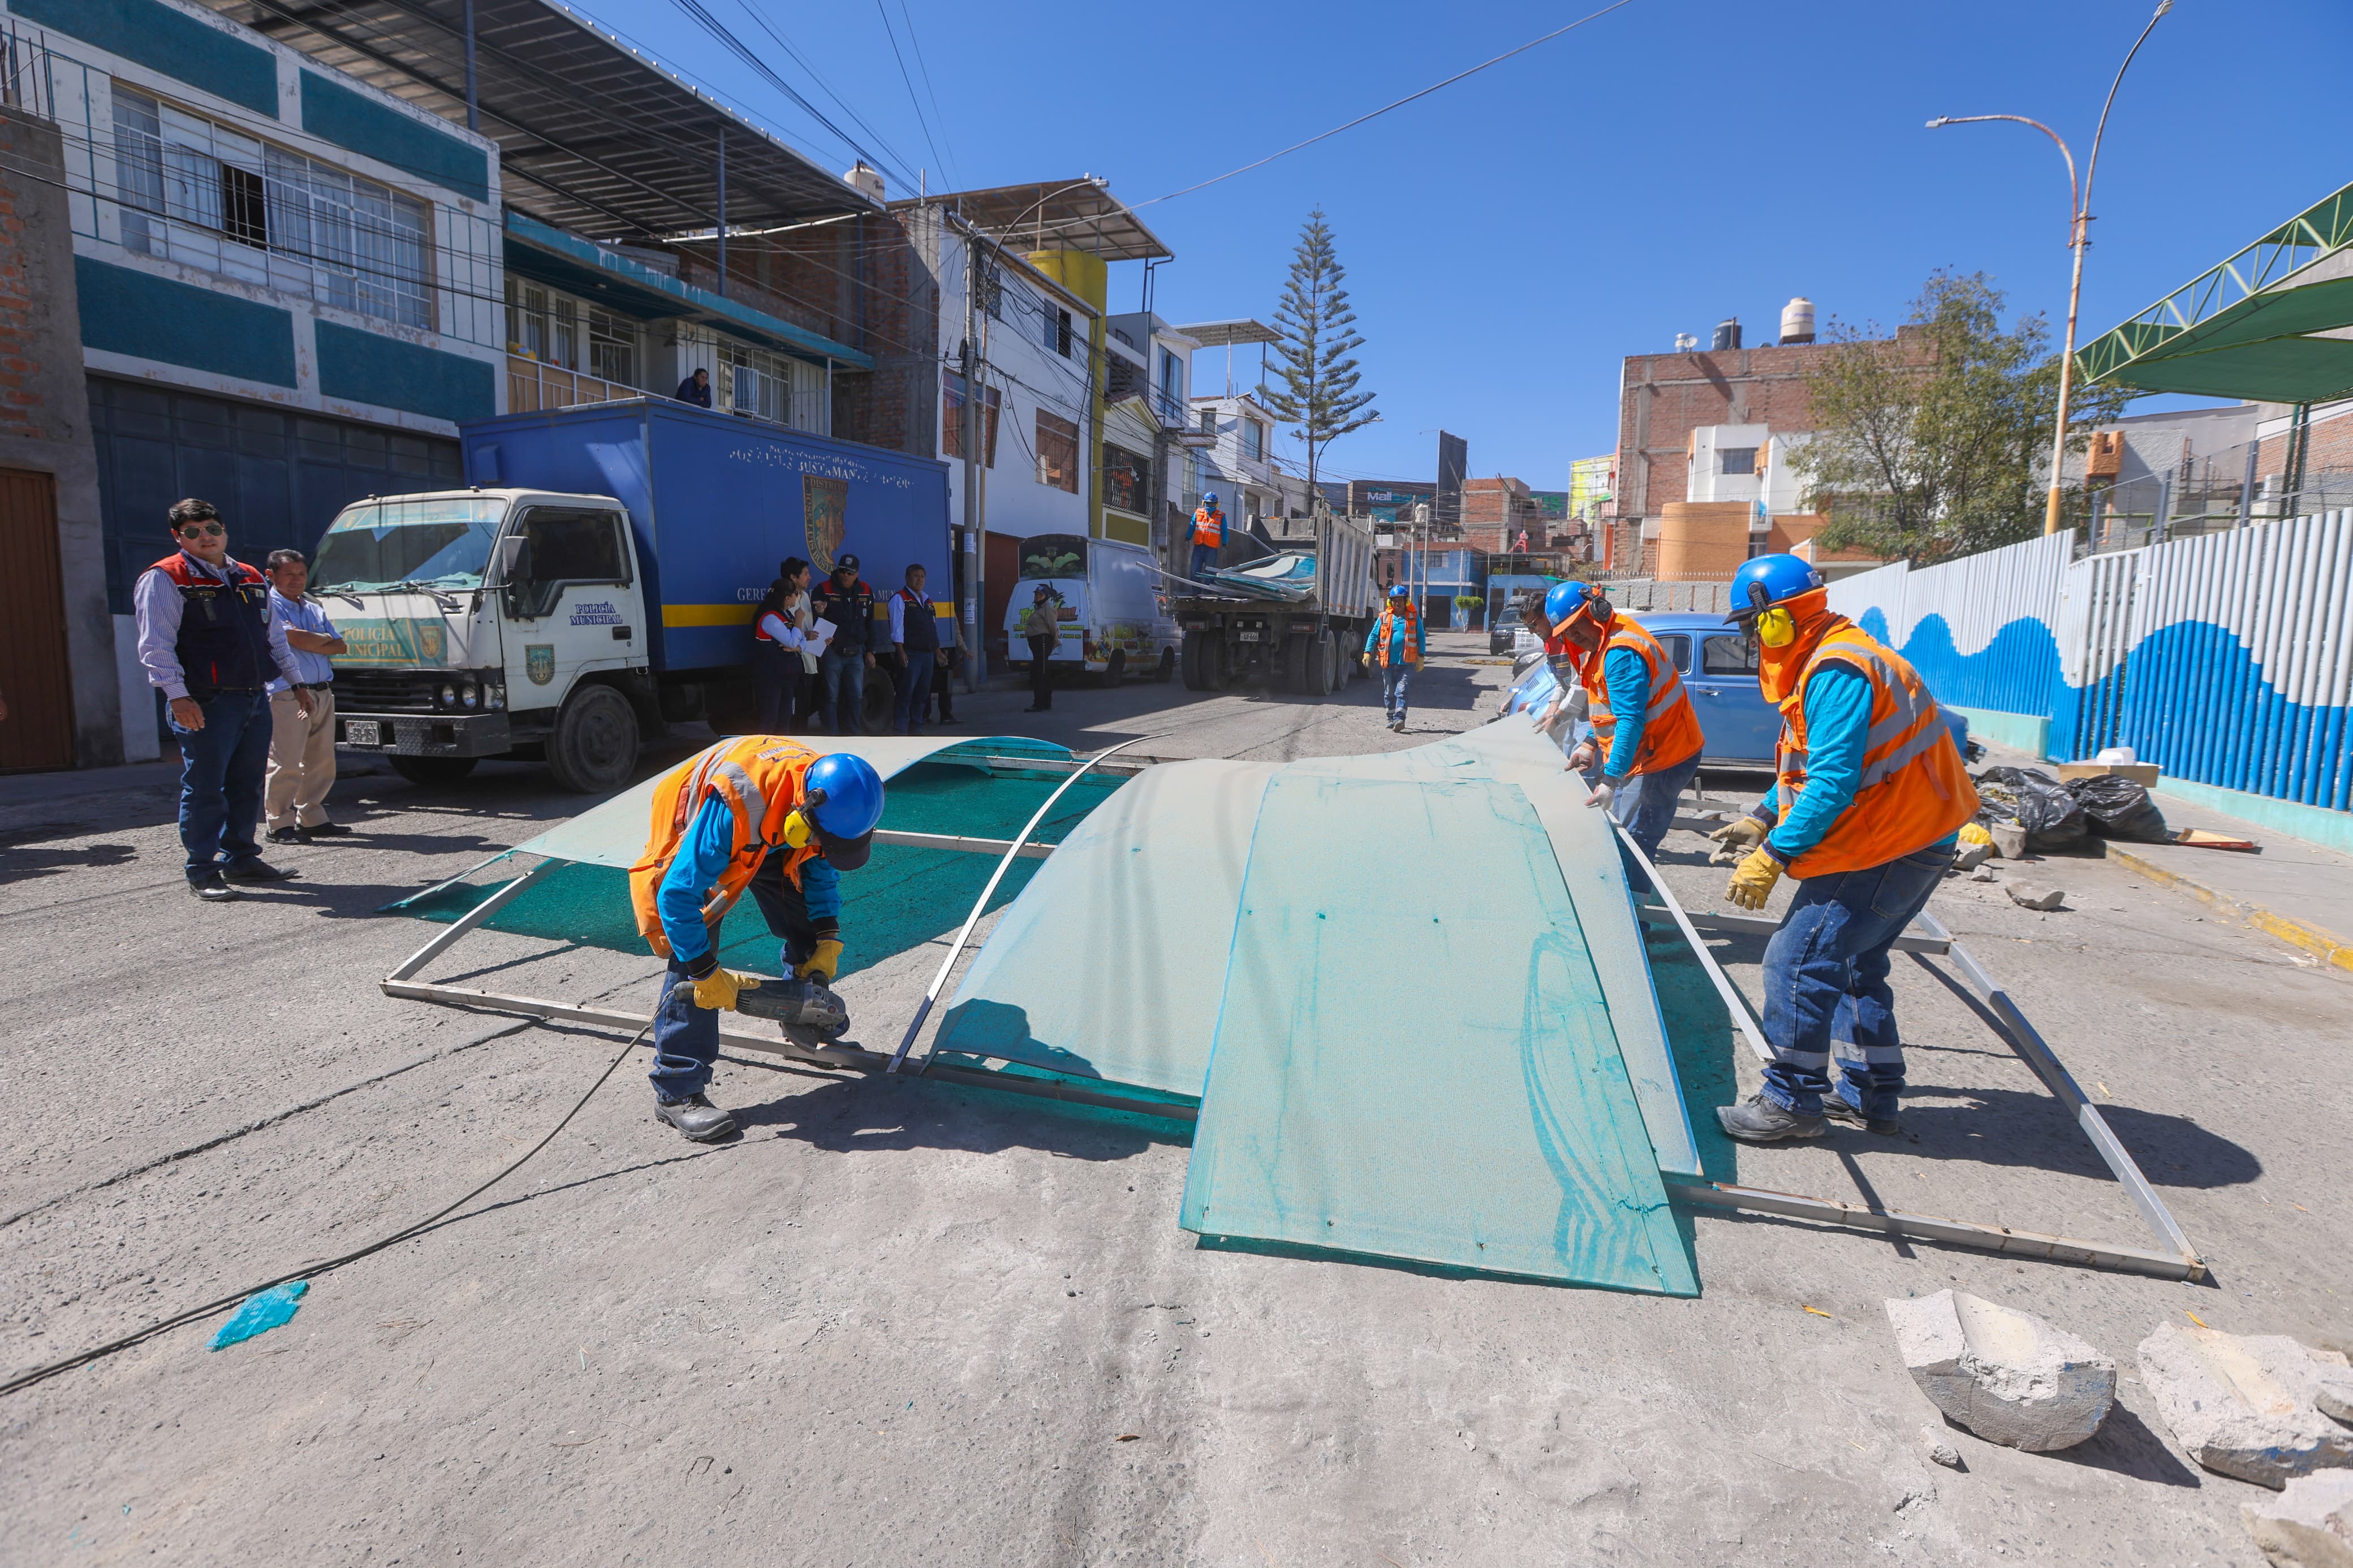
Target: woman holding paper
783,649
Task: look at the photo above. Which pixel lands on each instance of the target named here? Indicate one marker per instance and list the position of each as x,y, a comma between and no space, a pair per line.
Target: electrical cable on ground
26,1379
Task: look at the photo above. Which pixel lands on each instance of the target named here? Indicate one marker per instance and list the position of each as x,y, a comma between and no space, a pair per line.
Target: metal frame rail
2179,1261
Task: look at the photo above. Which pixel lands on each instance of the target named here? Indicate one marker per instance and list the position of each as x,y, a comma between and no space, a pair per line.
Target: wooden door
38,730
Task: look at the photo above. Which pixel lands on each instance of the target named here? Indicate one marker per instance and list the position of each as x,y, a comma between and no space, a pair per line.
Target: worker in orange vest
1394,646
1209,535
758,812
1870,800
1645,744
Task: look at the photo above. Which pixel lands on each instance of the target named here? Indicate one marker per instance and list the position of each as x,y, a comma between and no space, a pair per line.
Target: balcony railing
533,386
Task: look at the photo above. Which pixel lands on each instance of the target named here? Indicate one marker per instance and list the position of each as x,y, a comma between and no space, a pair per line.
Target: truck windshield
1053,555
380,544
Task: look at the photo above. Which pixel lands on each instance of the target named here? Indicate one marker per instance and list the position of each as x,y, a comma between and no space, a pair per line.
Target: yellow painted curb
2322,944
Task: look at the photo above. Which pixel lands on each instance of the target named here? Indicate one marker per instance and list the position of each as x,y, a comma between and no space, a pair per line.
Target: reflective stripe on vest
1671,732
759,777
1913,790
1390,623
1209,527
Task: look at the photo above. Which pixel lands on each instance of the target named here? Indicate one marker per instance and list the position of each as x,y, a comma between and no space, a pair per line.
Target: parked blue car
1718,665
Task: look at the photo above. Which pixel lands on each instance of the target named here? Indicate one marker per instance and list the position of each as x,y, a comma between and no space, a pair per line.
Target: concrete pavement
904,1324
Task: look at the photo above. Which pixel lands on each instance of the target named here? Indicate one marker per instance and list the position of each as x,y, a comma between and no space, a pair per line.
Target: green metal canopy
2266,324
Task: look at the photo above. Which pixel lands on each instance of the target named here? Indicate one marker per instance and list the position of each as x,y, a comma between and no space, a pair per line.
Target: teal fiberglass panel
1110,964
1414,1058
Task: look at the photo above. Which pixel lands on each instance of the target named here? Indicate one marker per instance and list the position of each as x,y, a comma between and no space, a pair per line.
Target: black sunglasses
217,530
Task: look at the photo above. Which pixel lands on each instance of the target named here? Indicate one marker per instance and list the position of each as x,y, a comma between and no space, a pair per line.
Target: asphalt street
905,1322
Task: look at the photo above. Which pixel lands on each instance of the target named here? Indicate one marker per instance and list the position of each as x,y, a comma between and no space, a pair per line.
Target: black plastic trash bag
2052,815
2119,808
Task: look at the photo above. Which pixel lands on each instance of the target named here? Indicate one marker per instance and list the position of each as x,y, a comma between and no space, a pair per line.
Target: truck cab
1113,604
490,622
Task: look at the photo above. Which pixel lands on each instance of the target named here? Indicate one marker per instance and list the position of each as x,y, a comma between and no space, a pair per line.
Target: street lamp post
2079,201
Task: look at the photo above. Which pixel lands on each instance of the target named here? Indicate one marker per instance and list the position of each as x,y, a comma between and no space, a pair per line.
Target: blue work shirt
695,870
302,616
1838,725
1626,676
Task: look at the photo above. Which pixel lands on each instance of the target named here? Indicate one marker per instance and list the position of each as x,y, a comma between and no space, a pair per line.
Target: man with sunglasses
1646,741
210,643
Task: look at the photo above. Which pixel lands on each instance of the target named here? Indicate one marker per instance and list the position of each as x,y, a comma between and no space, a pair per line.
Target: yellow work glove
822,965
718,990
1734,836
1753,880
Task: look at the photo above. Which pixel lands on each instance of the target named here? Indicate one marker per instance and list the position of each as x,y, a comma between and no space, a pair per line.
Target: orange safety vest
1389,626
1209,527
760,778
1670,728
1913,790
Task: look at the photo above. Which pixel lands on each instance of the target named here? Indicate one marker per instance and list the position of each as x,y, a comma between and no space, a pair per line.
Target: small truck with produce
595,583
1295,618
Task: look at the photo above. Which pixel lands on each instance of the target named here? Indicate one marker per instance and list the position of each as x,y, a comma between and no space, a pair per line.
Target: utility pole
968,437
722,213
473,113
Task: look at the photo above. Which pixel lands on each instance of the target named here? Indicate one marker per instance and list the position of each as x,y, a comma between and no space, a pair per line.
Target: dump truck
595,583
1295,618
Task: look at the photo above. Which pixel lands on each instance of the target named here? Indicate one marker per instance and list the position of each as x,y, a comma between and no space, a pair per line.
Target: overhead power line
891,33
727,39
925,71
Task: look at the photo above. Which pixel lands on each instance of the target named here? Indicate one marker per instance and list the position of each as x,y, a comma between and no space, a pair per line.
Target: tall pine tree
1319,398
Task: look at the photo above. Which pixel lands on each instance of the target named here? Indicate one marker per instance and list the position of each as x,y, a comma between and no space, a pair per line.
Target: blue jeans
222,767
686,1037
1644,805
1204,557
1393,683
1826,983
841,689
914,690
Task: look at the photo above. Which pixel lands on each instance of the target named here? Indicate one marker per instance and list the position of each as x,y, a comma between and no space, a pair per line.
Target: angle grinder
797,1004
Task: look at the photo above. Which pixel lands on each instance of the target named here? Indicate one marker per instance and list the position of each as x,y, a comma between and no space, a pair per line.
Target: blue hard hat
1210,499
1563,600
1769,580
846,802
1400,591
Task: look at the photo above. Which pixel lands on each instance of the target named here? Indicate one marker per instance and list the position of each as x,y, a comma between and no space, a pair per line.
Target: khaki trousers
301,761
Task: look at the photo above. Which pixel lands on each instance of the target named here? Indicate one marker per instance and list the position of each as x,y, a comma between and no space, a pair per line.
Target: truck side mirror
515,560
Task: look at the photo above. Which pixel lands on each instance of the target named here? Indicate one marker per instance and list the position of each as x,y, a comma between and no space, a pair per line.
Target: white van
1113,605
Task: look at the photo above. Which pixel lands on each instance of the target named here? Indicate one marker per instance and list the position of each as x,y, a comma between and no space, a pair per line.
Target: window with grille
1058,331
209,196
1737,460
1058,452
1127,480
951,419
761,385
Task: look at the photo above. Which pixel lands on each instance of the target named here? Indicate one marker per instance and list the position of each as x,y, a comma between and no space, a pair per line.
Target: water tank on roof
864,177
1798,321
1727,334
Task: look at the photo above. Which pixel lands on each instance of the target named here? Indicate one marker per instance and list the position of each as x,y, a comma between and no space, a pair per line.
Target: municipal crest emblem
824,505
539,662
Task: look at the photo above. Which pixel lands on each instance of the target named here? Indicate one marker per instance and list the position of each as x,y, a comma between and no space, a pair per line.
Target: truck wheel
881,692
1115,668
432,769
1201,660
1166,670
1327,656
1300,676
595,747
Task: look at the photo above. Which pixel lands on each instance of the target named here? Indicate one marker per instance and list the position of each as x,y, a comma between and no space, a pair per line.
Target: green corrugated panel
1110,962
1414,1057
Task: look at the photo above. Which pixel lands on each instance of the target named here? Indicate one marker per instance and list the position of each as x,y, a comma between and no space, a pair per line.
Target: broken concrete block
1939,1452
2246,1406
2335,1397
1983,874
2033,895
2006,1376
2308,1525
2008,839
1969,857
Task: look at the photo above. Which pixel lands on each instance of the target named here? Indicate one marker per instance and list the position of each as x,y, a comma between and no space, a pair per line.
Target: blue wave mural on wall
2189,697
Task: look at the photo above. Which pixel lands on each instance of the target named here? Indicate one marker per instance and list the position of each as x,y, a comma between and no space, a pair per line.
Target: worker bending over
1646,739
1871,795
1393,648
758,812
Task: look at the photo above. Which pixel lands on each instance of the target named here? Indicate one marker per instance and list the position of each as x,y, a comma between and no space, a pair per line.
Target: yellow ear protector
1774,625
800,827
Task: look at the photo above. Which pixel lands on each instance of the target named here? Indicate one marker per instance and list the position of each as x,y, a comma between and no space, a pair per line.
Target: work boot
257,870
697,1117
1837,1109
1758,1119
208,886
288,835
326,830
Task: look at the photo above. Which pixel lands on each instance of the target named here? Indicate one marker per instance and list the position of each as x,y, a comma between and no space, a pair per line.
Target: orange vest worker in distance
1209,535
1646,742
1870,794
762,812
1393,648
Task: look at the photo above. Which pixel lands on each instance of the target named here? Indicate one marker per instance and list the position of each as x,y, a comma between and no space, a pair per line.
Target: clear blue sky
1508,240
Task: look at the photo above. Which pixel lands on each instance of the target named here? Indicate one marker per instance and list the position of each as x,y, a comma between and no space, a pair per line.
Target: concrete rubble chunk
1983,874
1939,1452
2008,839
2246,1406
2308,1525
2006,1376
2334,1397
1969,857
2033,895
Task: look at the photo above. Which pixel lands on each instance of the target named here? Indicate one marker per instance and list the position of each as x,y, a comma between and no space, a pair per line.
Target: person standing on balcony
695,389
1209,535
